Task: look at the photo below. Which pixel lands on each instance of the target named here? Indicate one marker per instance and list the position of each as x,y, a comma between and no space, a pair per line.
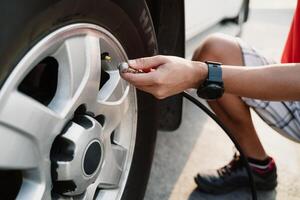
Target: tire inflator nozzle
125,68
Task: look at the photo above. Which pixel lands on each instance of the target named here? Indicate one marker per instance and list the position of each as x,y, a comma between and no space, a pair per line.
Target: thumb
147,63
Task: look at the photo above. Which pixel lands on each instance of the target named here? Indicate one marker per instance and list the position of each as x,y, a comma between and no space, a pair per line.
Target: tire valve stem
105,57
106,61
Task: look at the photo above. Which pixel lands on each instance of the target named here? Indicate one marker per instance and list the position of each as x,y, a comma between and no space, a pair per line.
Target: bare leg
231,110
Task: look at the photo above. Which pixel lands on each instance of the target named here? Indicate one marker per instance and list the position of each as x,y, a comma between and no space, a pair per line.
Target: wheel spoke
28,125
90,192
30,117
33,190
113,112
36,185
113,88
112,167
17,151
79,70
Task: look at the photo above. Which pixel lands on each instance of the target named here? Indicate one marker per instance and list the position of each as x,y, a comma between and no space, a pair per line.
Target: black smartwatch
212,87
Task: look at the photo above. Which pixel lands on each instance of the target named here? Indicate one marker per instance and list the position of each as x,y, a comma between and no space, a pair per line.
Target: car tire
25,23
243,16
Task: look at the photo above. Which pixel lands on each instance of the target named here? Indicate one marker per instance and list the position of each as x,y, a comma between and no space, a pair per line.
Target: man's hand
166,75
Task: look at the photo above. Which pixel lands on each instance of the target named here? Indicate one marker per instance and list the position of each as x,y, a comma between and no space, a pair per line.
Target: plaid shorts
282,116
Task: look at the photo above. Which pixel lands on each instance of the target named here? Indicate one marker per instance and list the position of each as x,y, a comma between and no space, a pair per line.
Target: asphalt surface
199,144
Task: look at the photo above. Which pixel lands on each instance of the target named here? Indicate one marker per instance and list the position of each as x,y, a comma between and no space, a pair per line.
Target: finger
139,79
147,63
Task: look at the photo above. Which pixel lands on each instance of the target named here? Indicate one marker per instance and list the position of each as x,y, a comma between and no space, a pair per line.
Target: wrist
200,74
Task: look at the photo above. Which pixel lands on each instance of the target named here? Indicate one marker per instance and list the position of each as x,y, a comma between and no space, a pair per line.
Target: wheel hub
92,158
76,156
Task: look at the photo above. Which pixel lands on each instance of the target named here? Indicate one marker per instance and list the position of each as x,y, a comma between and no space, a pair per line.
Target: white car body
202,14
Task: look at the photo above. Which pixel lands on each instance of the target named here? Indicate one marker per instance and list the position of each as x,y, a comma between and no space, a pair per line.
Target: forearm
272,82
169,75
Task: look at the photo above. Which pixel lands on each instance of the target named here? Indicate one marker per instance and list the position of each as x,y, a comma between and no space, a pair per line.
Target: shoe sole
214,190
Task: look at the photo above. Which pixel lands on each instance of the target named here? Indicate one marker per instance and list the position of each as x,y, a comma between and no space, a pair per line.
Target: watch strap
214,73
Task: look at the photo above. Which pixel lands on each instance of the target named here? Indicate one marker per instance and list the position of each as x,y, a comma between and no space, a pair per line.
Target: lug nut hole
100,119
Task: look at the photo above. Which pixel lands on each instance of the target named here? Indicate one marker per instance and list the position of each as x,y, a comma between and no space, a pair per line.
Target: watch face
216,91
211,92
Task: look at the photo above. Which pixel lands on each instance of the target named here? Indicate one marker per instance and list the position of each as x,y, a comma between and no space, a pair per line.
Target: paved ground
199,144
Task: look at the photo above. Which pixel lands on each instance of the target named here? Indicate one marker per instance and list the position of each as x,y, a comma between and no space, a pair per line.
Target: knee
216,47
209,49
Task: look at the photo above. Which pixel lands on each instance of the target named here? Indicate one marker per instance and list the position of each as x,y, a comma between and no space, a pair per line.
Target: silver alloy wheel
30,128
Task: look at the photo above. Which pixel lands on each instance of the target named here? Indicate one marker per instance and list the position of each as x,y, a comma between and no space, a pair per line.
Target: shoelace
234,164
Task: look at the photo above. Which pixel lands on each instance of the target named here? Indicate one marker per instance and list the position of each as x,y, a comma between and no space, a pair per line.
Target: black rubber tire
170,31
247,8
242,17
244,13
170,113
24,23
